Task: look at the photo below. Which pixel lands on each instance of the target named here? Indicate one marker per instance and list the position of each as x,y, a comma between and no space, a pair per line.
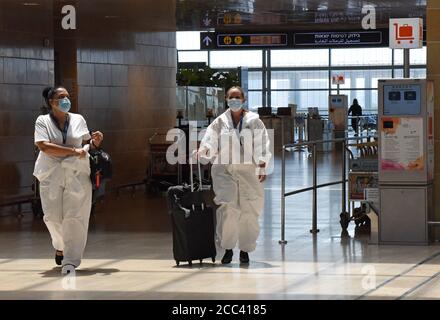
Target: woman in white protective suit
63,170
238,145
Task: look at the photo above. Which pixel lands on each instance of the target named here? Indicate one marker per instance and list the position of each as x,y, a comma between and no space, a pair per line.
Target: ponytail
49,93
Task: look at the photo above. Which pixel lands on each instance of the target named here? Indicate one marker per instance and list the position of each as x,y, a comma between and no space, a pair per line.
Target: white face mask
235,104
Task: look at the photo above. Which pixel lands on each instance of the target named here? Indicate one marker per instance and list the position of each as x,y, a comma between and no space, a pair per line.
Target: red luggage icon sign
404,33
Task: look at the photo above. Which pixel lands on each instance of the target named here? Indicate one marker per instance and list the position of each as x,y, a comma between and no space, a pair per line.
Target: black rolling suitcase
193,223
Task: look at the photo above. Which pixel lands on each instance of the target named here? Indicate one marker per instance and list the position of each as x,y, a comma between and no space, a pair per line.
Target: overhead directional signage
233,18
285,40
406,33
207,41
206,20
239,40
252,40
334,39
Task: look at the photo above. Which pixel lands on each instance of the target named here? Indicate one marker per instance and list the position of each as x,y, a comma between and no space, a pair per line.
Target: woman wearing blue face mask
238,185
63,170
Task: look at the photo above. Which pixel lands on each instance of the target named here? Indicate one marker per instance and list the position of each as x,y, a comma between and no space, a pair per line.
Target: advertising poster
402,144
373,197
359,182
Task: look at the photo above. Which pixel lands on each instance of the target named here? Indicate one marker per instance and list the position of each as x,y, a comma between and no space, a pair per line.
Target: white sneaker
68,269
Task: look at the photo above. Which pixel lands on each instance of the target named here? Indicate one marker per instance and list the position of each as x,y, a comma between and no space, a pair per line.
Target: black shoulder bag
100,166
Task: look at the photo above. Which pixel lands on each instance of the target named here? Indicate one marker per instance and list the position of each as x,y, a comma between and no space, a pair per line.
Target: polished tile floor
129,254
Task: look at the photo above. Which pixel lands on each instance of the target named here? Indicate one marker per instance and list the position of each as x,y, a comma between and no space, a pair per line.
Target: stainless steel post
315,229
282,131
406,63
345,216
358,126
283,198
344,177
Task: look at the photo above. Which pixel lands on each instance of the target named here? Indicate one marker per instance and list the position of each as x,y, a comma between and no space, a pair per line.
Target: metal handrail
315,186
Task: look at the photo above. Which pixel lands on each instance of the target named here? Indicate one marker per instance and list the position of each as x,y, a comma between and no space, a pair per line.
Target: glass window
368,99
299,80
193,56
188,40
419,73
361,57
255,80
303,99
300,58
374,98
255,100
416,56
236,58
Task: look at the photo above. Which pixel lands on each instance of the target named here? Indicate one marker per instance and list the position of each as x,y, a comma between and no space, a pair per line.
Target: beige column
433,45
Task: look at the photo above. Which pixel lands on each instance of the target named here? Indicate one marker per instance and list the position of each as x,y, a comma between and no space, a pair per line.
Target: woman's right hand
80,153
199,154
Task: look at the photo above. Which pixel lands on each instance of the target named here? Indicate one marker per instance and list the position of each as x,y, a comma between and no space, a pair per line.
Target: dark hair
49,93
238,88
355,102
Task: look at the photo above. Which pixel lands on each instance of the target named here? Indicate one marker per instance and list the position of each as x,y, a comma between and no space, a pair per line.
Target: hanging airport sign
406,33
338,16
243,40
233,18
338,38
338,79
285,40
207,21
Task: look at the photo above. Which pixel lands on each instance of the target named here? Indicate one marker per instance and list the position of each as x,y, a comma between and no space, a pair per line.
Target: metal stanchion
345,216
358,126
406,63
283,198
315,229
344,177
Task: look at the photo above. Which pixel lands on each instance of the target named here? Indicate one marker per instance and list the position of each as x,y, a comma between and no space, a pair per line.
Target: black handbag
100,167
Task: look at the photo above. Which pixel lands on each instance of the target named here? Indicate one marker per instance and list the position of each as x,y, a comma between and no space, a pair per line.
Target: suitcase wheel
201,261
177,263
213,259
190,262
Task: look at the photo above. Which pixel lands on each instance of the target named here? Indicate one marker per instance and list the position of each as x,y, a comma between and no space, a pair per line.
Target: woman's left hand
97,138
262,173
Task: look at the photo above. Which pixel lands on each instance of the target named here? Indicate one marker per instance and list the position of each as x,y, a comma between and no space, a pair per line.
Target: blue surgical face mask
64,105
235,104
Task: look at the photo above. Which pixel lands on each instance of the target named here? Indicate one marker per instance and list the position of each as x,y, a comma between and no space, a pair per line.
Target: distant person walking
356,111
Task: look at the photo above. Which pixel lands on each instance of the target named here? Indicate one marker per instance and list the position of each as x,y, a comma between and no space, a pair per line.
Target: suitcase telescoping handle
191,172
192,178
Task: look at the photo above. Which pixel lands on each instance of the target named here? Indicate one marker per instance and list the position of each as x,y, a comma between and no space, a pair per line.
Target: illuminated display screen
402,100
259,40
251,40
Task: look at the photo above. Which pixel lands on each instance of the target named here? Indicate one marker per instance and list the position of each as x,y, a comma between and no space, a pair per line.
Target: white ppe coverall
238,191
65,187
